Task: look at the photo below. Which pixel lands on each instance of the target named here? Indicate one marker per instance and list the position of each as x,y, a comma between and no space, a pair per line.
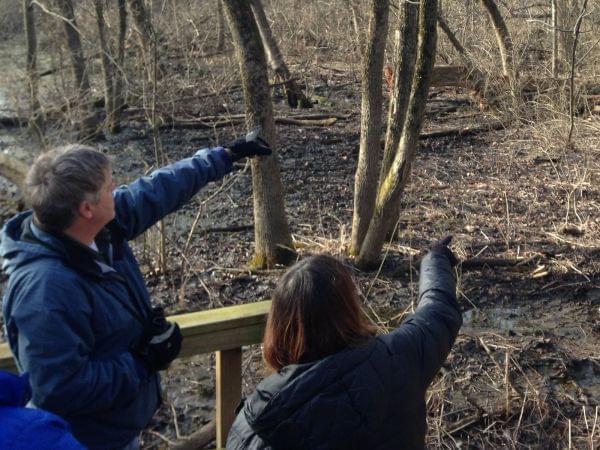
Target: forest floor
525,370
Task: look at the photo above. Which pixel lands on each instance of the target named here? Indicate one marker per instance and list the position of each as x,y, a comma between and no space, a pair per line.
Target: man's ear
85,210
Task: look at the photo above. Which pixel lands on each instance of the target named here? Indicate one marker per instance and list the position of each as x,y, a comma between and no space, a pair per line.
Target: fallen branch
194,124
462,132
231,229
472,264
199,439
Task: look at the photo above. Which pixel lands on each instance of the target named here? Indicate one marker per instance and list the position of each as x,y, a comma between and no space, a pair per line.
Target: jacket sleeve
144,202
55,343
428,335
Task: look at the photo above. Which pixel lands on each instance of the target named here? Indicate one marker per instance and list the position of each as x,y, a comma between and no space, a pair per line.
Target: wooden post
229,390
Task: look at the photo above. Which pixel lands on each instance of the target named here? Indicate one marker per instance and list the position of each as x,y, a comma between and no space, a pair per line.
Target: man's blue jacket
26,428
72,315
368,397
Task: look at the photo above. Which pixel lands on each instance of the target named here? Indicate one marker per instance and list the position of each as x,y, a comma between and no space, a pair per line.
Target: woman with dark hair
335,384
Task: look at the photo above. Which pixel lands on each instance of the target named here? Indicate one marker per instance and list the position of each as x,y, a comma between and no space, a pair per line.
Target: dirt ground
525,370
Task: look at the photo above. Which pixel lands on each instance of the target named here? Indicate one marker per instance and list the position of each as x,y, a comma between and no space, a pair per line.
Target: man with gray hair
76,309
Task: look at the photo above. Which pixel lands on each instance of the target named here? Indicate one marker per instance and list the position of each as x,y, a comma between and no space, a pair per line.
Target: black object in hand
441,247
242,148
162,344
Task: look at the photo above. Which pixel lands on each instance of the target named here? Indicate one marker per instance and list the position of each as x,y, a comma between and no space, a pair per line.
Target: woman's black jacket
367,397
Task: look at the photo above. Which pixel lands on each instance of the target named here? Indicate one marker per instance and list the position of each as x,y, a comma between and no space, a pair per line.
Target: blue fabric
71,323
29,429
368,397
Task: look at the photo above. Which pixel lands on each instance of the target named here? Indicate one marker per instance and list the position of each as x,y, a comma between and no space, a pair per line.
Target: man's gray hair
60,180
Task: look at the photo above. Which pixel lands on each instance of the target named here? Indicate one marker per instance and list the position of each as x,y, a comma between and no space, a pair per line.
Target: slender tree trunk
365,181
393,186
404,71
76,50
108,68
273,242
295,96
119,73
36,121
502,36
576,30
146,33
554,39
359,33
221,25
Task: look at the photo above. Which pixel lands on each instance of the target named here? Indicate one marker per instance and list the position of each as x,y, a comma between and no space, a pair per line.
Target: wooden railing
224,331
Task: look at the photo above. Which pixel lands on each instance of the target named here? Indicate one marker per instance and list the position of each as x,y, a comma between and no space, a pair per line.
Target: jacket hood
302,389
21,244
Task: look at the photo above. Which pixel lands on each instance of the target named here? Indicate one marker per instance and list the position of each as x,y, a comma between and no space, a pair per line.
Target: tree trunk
392,187
294,94
273,242
36,120
119,73
404,71
221,25
357,21
145,31
554,39
502,36
365,181
403,80
108,68
76,50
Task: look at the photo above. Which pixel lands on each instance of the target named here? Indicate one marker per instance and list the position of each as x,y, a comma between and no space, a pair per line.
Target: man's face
104,209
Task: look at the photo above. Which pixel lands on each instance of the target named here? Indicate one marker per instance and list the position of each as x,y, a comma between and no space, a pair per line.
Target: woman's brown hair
315,312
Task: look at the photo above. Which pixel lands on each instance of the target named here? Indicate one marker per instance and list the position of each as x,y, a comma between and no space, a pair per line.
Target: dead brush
488,400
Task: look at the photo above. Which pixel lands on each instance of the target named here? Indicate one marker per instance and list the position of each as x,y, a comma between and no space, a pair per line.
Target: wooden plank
204,331
6,360
229,390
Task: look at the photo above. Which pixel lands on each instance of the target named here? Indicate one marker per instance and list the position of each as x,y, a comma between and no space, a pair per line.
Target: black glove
441,247
162,343
242,148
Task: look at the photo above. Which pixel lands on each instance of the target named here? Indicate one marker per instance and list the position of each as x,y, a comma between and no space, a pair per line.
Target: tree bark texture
145,30
221,25
294,94
502,36
108,66
36,121
554,39
404,70
365,181
273,242
119,74
75,48
394,183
